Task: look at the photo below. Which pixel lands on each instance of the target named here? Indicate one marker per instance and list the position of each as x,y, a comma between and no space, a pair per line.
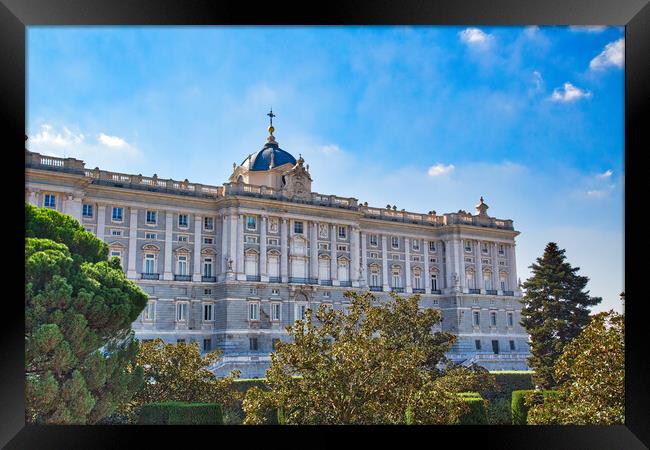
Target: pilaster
169,223
196,273
133,242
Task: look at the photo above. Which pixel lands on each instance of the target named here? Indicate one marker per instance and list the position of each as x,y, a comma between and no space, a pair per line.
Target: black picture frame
16,15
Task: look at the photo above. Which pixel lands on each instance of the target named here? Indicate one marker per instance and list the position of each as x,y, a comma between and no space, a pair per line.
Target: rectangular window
253,343
512,346
150,311
468,246
183,221
323,246
477,318
510,319
297,227
432,246
251,223
253,291
394,242
181,312
117,214
150,235
149,263
493,319
300,311
495,347
207,267
208,240
116,254
272,242
342,232
116,232
275,312
151,217
251,239
501,250
373,240
182,238
180,341
207,345
87,210
208,223
207,291
416,244
207,312
327,294
484,248
50,201
253,311
182,265
374,255
342,248
477,344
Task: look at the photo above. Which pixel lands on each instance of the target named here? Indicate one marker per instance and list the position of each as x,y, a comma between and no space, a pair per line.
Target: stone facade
231,266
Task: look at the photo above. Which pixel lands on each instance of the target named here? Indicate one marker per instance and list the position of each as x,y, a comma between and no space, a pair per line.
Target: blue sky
425,118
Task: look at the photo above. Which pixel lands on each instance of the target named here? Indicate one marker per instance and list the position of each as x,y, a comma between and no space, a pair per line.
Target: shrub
181,413
507,382
522,400
477,414
499,412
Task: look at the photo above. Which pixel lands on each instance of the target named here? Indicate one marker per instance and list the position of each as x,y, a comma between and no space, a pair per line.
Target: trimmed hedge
507,382
181,413
519,408
477,414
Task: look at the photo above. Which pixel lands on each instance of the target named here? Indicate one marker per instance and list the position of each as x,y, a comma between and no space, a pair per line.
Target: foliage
556,309
593,367
523,400
178,372
78,314
499,412
477,414
506,382
365,367
180,413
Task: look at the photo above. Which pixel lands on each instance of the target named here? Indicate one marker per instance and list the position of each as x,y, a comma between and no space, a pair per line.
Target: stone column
284,252
263,269
196,273
479,267
33,197
427,273
72,206
101,221
232,244
313,251
512,262
225,224
364,260
449,264
239,232
495,267
168,273
460,261
384,263
333,261
133,242
354,249
407,264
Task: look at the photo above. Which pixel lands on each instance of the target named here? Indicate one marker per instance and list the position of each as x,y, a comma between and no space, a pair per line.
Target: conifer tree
556,309
78,313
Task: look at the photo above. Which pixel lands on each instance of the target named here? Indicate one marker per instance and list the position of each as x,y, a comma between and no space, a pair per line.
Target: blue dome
262,159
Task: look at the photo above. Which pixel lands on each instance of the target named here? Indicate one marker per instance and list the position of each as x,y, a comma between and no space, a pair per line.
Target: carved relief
322,230
273,225
298,181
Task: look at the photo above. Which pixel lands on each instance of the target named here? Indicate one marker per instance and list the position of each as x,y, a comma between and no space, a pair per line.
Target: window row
476,318
151,216
495,345
181,311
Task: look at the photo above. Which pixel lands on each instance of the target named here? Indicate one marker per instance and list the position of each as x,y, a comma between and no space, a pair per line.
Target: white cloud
613,55
538,81
440,169
111,141
569,93
606,174
331,149
49,137
588,28
475,37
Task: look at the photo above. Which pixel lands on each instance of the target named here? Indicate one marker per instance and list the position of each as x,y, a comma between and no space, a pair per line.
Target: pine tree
78,313
556,309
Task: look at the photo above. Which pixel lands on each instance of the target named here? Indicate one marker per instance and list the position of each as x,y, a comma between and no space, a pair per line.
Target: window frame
205,223
84,208
51,204
146,317
208,306
186,225
374,240
253,311
248,223
276,312
182,306
298,224
121,214
476,318
394,241
151,213
341,232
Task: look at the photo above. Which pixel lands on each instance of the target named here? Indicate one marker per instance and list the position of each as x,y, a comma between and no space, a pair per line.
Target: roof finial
271,116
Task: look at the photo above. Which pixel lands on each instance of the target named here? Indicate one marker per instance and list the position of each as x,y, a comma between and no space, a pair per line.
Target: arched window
150,259
273,264
503,281
251,264
343,269
487,279
396,278
374,275
417,278
469,278
182,261
434,281
323,268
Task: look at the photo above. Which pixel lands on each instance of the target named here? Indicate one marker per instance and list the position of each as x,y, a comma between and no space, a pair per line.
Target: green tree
375,364
78,314
178,372
556,309
593,367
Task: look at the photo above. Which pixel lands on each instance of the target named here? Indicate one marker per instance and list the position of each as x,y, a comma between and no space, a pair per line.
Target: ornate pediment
297,180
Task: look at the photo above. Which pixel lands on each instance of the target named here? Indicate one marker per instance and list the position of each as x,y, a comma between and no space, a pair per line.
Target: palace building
231,266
